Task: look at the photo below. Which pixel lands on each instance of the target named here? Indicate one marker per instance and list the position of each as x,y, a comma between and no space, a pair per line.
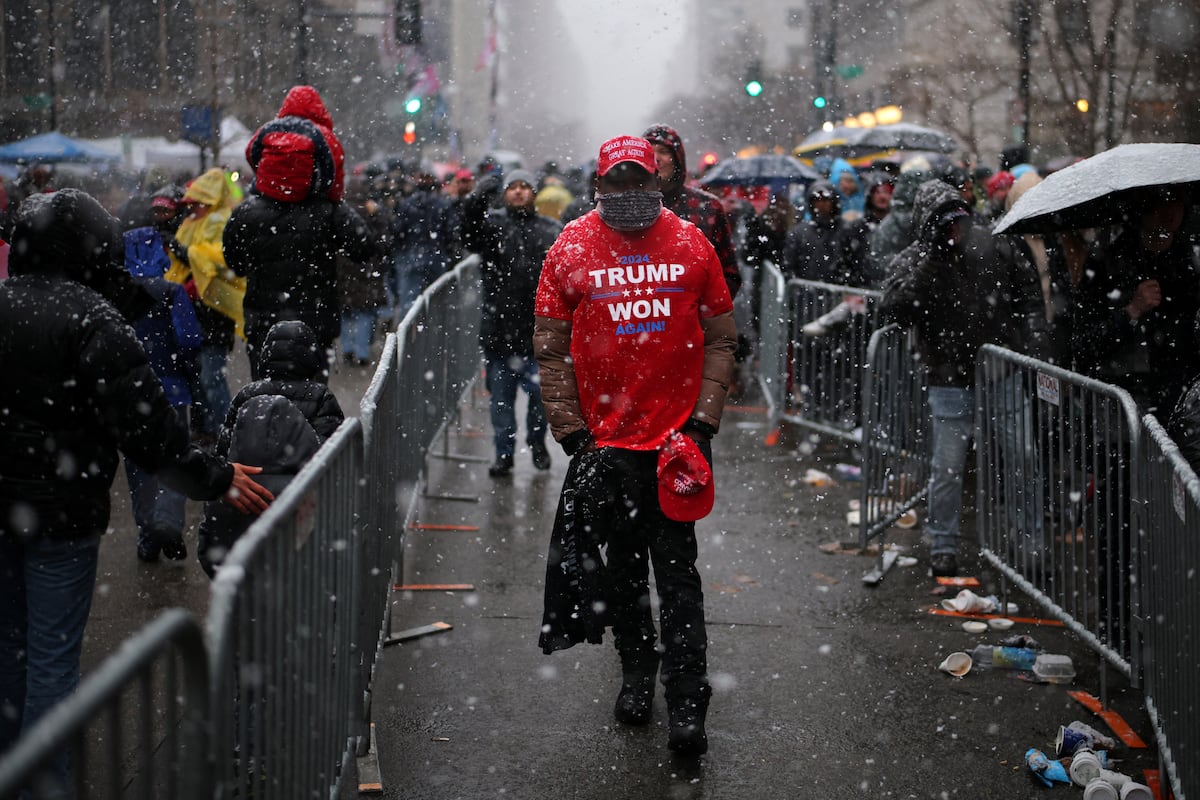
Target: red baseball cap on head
685,480
620,149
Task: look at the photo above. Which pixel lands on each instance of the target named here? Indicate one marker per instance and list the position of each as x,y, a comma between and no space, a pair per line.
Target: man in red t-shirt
634,336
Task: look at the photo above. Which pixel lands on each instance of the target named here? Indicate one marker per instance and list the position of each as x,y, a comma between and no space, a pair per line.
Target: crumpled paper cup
968,602
957,664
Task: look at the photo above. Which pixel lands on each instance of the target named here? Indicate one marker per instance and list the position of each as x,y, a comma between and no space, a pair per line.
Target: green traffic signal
754,88
819,102
413,105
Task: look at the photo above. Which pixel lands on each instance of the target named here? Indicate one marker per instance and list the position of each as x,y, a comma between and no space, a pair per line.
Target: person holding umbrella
1136,303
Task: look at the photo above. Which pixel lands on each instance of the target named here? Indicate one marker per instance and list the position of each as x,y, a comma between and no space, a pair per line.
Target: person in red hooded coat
297,153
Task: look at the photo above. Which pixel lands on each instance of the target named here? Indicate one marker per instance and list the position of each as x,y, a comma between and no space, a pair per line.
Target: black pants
638,537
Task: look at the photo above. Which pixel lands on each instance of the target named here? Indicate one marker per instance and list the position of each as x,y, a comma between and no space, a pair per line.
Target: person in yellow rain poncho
198,262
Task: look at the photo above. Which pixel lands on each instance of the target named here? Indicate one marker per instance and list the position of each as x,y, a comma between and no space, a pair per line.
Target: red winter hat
685,480
626,148
998,183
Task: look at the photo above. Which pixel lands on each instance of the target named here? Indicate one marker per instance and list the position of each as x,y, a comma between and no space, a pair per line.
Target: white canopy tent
142,152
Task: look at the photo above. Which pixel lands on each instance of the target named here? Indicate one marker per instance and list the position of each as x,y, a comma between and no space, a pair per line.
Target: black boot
687,710
502,466
541,456
635,699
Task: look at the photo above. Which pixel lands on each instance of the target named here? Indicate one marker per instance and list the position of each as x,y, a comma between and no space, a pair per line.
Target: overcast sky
622,43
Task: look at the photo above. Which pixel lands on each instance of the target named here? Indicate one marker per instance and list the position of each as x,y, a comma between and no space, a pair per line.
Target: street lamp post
1024,24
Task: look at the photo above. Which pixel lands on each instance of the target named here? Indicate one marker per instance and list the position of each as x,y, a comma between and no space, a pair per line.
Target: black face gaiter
629,211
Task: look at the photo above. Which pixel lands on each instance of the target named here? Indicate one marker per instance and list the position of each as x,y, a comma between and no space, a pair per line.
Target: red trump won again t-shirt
635,301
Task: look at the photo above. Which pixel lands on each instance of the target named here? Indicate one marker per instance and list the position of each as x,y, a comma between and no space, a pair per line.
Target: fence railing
829,328
1170,590
896,436
773,341
277,700
1056,495
136,728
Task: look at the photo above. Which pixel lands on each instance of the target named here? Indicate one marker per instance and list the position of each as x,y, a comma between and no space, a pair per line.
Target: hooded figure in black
276,423
271,432
77,389
951,288
1135,304
825,247
291,366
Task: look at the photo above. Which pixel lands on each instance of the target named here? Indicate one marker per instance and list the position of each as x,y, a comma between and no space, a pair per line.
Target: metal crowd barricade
1170,492
282,635
161,674
381,522
438,358
896,437
1056,496
773,341
825,369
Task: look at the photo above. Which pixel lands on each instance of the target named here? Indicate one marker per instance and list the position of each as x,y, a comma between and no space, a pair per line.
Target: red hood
304,101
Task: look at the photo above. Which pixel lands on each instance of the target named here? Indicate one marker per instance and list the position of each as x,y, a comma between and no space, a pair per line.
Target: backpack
291,160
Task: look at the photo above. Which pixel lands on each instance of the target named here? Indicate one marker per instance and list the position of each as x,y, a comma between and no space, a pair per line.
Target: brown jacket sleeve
560,392
720,343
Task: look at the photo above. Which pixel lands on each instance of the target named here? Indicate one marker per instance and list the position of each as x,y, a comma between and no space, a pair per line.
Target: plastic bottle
986,655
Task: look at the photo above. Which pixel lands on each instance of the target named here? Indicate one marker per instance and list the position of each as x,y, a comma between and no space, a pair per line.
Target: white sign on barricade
1047,388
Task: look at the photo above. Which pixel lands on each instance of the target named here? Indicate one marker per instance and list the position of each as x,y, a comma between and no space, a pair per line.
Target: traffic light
408,22
412,105
820,102
754,84
410,132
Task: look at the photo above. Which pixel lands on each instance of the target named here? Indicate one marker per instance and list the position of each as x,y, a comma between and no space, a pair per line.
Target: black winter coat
77,387
1184,425
291,364
512,247
288,253
832,251
268,431
957,301
1154,357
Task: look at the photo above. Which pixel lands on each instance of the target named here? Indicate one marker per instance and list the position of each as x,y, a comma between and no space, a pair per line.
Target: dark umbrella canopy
763,170
904,136
1103,189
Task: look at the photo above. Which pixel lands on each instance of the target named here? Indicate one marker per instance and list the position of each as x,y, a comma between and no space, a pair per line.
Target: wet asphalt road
823,687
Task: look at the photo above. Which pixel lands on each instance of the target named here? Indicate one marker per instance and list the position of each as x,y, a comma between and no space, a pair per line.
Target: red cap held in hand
685,480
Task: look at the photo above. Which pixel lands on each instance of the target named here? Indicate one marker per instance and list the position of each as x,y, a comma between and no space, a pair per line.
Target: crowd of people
594,281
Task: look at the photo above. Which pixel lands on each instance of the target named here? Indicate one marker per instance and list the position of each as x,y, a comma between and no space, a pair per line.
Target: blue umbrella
54,147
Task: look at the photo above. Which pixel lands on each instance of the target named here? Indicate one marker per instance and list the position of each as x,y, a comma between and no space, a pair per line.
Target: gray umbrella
904,136
770,169
1103,189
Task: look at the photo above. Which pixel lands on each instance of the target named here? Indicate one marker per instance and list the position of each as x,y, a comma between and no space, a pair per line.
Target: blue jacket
170,333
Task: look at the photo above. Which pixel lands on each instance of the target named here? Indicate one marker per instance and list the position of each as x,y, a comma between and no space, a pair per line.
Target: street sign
200,124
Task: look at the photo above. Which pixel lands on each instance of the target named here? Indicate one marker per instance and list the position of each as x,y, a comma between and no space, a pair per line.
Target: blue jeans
214,400
357,327
158,509
953,412
1023,499
45,597
416,269
504,375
